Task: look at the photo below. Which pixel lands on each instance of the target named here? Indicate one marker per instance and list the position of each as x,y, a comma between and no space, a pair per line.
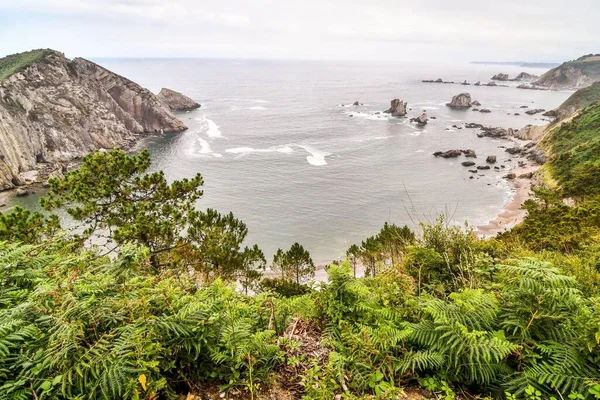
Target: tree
21,225
353,254
252,261
215,240
294,263
394,240
370,254
112,192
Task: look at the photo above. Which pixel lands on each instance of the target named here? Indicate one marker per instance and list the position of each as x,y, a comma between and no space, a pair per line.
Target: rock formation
468,163
55,110
421,120
500,77
476,103
485,110
491,159
177,101
462,100
455,153
397,108
524,76
574,74
534,111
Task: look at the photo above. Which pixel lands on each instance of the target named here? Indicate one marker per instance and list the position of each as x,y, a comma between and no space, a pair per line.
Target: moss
14,63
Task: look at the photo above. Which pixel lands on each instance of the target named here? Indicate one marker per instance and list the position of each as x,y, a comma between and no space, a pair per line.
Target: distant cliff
574,74
54,110
579,100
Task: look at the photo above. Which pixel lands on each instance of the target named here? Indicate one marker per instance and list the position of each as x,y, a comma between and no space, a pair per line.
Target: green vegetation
580,100
173,305
16,62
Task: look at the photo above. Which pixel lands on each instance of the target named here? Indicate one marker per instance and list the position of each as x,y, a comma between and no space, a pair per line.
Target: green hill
16,62
579,100
577,73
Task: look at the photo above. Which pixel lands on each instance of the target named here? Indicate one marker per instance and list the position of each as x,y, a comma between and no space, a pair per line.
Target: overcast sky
387,30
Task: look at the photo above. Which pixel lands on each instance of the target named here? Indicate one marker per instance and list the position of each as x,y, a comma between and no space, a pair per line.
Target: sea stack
177,101
397,108
462,100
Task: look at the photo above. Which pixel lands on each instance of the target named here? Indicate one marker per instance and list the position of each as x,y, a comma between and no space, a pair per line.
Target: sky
372,30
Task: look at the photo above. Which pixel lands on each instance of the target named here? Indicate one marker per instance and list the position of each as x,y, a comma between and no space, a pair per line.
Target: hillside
579,100
54,110
574,74
16,62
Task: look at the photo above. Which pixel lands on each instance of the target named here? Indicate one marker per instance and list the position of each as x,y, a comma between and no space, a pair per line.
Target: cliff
574,74
54,110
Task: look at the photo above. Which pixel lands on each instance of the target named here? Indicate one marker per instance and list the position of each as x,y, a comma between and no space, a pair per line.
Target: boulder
475,109
527,175
356,103
420,120
478,83
485,110
462,100
21,192
491,159
535,111
476,103
465,83
448,154
468,163
483,167
491,84
469,153
500,77
176,101
397,108
510,175
513,150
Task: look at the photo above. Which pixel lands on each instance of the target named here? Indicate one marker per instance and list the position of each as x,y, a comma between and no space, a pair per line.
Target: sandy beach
512,214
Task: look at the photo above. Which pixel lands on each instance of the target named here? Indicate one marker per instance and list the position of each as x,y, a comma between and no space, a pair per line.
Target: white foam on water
371,116
316,157
212,129
429,108
456,120
257,108
273,149
420,151
260,101
218,155
204,146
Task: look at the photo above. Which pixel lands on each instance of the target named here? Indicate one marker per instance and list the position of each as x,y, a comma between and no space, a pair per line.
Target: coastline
512,214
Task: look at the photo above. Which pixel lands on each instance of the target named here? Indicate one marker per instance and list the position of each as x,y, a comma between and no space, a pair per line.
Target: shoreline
511,214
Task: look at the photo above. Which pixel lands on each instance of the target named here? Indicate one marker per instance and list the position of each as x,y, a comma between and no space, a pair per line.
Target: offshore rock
420,120
462,100
177,101
500,77
397,108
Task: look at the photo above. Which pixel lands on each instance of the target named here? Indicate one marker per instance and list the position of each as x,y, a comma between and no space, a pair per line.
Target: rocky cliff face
177,101
56,110
575,74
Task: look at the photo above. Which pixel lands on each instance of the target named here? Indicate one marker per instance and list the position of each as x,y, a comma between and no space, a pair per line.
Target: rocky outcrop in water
176,101
462,100
534,111
397,108
55,110
455,153
524,76
500,77
421,120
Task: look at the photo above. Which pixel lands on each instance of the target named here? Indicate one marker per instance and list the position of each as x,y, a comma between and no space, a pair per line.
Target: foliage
284,287
295,263
14,63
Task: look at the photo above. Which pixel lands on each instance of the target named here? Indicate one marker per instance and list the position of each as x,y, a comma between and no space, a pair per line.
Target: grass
14,63
581,99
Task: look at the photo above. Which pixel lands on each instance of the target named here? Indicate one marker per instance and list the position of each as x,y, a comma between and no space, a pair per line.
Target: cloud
545,30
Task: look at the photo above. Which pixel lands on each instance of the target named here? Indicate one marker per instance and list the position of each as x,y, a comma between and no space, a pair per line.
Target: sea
280,144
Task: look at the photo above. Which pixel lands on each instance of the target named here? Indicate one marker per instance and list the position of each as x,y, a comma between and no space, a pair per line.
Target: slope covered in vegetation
580,100
16,62
162,310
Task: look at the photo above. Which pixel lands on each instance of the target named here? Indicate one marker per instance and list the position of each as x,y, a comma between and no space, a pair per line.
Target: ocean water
277,148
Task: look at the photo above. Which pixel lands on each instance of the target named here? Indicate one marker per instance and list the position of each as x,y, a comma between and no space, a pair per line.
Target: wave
204,146
212,129
316,157
371,116
274,149
257,108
